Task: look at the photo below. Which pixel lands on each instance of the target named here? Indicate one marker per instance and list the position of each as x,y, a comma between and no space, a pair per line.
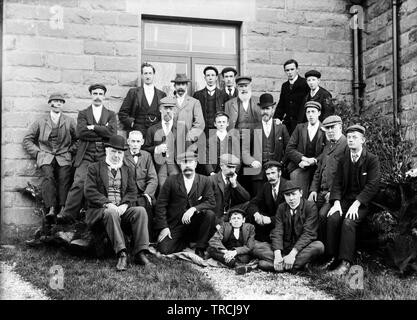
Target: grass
92,279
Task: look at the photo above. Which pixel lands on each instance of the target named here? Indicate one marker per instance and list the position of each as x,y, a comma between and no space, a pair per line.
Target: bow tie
136,155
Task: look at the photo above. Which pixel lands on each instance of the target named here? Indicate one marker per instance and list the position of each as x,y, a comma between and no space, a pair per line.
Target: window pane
171,37
165,72
214,40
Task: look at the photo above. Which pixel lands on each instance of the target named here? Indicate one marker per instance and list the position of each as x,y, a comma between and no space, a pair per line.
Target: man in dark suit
95,125
294,243
263,207
304,148
291,99
111,195
356,183
228,193
184,209
145,177
326,170
211,98
268,142
229,77
139,109
318,94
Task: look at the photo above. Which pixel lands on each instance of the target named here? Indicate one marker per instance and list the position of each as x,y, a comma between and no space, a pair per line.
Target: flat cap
221,113
56,96
97,86
272,163
331,121
229,159
243,79
313,104
232,211
356,127
168,102
211,68
290,186
188,155
228,69
313,73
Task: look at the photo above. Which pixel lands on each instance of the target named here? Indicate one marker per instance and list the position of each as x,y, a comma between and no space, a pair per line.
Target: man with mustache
111,195
95,125
184,209
294,243
139,109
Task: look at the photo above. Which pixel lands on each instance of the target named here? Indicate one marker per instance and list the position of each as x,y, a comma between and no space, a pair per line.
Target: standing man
52,141
291,99
356,183
183,211
111,196
211,98
305,146
139,109
326,170
318,94
229,77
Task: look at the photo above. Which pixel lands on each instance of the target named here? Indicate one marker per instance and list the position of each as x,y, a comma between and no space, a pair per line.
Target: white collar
188,180
224,178
210,88
315,127
170,123
315,91
293,80
221,134
148,86
55,116
268,123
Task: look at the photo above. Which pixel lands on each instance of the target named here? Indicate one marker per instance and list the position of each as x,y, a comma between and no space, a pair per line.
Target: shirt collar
314,92
293,80
210,88
316,126
188,179
148,86
268,123
357,153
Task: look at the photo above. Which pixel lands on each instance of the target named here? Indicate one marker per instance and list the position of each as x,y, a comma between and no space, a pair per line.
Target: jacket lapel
124,174
181,185
194,186
104,174
220,182
139,94
129,158
104,116
305,136
90,116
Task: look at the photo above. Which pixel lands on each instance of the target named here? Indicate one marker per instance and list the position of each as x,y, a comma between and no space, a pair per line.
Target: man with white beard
111,193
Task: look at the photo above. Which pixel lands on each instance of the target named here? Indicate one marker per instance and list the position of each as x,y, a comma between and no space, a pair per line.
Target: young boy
233,242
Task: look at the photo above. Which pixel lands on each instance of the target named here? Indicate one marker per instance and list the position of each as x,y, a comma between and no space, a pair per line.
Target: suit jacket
145,175
305,227
190,115
297,146
173,200
226,231
325,98
328,164
96,190
234,95
369,175
237,195
291,102
130,107
103,130
38,146
201,96
232,109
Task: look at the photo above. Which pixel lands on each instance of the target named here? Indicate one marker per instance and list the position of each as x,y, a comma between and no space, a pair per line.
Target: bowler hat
56,96
168,102
272,163
313,73
331,121
266,100
229,159
289,186
356,127
211,68
180,78
97,86
228,69
117,142
243,79
313,104
188,155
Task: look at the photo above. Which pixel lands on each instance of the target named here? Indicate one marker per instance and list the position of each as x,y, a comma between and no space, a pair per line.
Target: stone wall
100,40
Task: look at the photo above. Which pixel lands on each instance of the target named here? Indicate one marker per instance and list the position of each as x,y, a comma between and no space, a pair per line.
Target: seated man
183,211
110,192
233,242
263,207
294,236
355,184
228,193
140,161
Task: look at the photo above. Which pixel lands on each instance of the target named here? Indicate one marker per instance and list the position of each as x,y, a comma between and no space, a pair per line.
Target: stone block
273,4
121,33
63,3
336,73
312,58
19,216
17,120
75,15
409,86
128,19
78,62
109,78
9,42
45,44
380,81
127,49
21,11
23,59
409,53
104,18
318,5
263,43
106,5
11,135
370,55
99,47
32,74
280,29
318,18
312,32
19,27
15,89
115,64
263,71
408,22
72,76
340,60
378,8
258,56
267,15
377,67
279,57
20,168
295,44
335,33
257,28
85,31
376,38
128,79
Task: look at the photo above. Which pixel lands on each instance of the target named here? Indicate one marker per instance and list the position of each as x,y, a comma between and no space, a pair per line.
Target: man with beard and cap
52,141
211,98
229,194
291,99
139,109
355,184
184,209
326,170
145,177
318,94
229,78
95,125
293,239
269,145
305,147
111,195
161,142
262,208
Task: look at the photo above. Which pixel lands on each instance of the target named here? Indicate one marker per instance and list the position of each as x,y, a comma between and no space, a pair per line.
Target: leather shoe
245,268
200,252
122,263
341,269
51,213
140,258
62,218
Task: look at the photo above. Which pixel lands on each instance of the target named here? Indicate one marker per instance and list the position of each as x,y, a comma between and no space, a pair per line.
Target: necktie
291,84
274,194
113,172
230,92
354,157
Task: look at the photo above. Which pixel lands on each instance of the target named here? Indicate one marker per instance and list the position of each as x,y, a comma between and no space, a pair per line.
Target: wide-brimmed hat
117,142
180,78
56,96
266,100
